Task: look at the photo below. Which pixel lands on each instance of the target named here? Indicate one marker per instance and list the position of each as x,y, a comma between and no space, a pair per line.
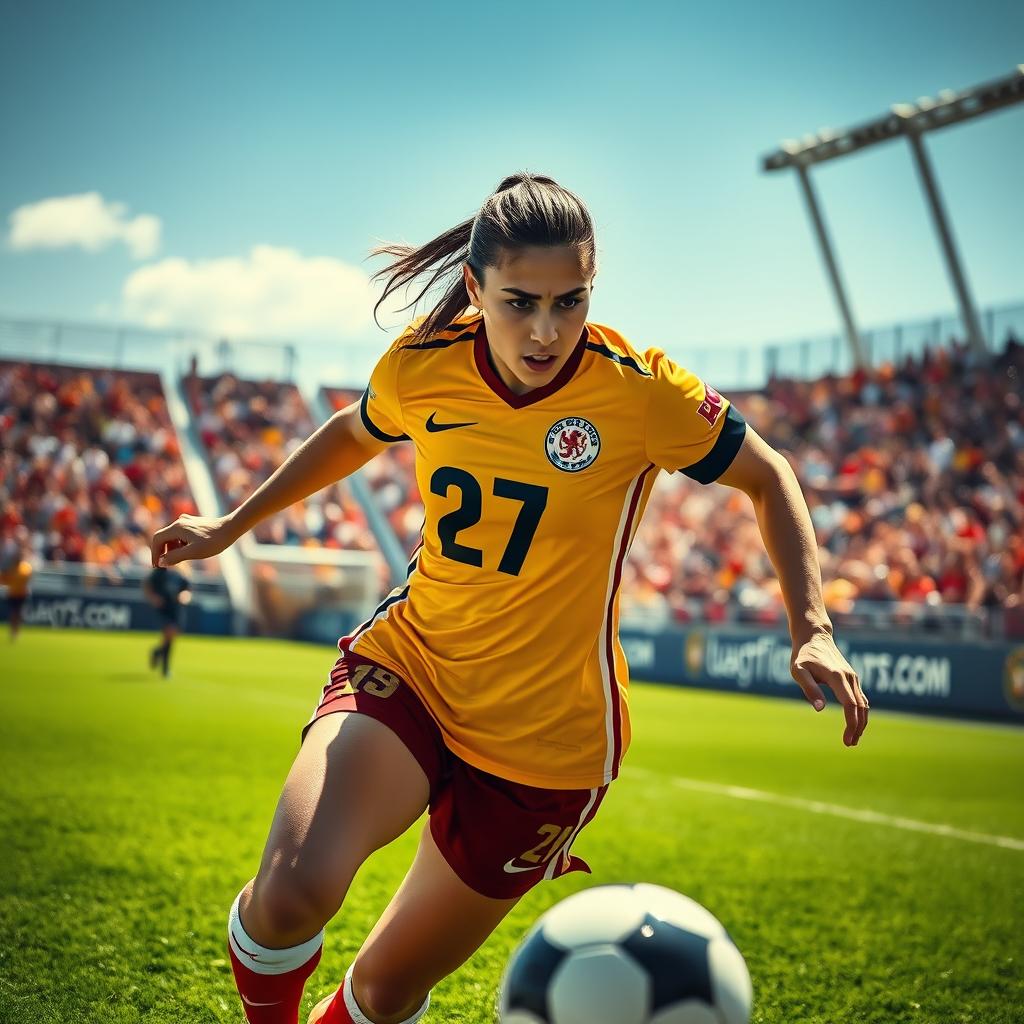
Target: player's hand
190,537
816,662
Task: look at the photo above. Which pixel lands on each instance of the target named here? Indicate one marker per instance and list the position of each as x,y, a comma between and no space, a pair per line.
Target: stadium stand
914,476
913,473
89,465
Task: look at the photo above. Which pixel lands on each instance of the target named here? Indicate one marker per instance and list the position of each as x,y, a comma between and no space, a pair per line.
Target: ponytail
525,209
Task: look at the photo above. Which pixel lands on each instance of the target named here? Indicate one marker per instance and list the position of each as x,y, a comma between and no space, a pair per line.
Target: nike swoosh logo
435,427
512,869
249,1002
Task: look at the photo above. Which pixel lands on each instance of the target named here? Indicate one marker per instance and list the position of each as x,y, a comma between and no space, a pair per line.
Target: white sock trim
261,960
359,1017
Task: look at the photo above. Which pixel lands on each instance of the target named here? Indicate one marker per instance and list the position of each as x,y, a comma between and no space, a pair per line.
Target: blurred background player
168,591
16,575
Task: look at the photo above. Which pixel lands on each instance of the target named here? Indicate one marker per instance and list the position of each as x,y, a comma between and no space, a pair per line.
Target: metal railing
817,357
111,582
142,348
731,368
908,618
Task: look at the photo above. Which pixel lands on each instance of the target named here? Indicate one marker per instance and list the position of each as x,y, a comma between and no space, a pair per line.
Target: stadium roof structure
910,121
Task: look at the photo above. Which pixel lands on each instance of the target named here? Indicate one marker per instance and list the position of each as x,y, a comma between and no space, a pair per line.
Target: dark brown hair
525,209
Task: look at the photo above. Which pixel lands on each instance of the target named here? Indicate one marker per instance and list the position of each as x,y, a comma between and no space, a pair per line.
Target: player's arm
785,523
335,450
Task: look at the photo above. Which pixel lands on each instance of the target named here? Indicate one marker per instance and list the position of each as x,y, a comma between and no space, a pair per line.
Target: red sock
270,981
343,1008
337,1012
272,998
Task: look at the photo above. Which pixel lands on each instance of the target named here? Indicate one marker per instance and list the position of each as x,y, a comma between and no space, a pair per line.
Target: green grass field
133,809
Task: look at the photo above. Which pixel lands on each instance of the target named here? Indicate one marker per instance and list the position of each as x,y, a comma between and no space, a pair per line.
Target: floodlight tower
910,120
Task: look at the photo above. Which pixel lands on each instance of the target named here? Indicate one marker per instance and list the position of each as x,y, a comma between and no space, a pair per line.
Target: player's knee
381,996
287,906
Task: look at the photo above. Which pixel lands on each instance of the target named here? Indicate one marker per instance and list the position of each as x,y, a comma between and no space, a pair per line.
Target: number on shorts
374,679
554,837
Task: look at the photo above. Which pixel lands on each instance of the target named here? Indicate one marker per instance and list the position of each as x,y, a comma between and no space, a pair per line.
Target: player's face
534,305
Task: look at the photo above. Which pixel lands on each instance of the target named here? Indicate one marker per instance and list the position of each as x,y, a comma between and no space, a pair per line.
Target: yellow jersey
507,626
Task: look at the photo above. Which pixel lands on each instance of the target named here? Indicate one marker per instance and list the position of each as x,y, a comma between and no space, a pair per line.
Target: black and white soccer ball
626,954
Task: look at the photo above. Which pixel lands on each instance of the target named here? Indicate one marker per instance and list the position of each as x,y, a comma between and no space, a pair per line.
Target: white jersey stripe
563,850
611,687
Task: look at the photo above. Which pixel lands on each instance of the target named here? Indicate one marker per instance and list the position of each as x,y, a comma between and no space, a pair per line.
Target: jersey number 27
533,497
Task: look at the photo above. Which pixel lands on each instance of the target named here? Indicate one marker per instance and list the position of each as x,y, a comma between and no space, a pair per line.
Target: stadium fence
732,368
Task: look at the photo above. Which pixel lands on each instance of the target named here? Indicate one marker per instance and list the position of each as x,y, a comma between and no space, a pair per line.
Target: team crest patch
572,443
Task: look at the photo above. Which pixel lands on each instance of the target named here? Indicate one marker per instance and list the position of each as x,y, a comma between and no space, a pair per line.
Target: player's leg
156,654
170,632
14,620
353,788
434,923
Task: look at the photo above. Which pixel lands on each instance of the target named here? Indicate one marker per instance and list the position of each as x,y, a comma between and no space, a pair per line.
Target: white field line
836,810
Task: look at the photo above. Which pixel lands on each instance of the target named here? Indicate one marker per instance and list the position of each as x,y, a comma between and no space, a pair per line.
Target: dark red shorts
499,837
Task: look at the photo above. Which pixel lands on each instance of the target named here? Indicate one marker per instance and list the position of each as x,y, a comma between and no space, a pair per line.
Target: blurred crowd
392,479
89,466
248,429
913,473
914,477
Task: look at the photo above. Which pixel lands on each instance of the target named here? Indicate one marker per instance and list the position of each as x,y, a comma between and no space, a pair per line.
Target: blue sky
307,131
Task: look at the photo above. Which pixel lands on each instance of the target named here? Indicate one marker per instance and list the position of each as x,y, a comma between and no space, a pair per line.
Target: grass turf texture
132,810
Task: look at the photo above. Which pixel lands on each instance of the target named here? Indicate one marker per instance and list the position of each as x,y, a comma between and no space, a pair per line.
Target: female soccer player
490,688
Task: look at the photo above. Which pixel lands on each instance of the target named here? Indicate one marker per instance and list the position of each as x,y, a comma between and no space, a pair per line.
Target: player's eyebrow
528,295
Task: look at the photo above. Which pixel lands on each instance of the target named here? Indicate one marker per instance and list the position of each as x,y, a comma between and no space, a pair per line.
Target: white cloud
272,292
85,220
